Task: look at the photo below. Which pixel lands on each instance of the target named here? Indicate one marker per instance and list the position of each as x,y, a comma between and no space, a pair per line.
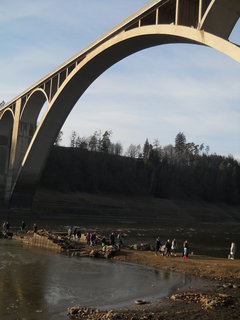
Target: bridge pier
3,202
24,192
5,150
15,137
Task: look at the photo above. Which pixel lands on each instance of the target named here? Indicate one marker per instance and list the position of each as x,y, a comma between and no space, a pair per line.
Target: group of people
9,233
93,240
170,248
6,227
74,233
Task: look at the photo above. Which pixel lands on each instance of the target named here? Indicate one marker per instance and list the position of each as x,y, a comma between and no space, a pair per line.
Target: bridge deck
216,16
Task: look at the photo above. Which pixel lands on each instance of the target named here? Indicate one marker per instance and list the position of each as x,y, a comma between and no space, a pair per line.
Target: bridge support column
12,153
4,155
24,192
6,129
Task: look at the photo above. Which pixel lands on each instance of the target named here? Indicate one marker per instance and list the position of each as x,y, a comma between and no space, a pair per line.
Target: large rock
141,247
106,252
6,235
206,300
91,314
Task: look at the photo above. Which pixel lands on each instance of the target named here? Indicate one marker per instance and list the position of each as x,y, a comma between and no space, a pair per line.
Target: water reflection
39,285
17,272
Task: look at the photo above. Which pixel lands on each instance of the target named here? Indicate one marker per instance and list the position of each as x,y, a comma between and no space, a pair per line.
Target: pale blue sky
152,94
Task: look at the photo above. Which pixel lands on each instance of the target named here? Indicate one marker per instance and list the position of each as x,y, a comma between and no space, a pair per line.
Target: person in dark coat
157,245
35,228
78,235
168,247
23,226
93,240
112,239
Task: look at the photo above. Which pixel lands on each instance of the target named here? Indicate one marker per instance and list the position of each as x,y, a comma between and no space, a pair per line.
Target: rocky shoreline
213,292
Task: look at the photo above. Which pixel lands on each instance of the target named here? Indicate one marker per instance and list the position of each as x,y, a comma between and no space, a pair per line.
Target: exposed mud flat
213,292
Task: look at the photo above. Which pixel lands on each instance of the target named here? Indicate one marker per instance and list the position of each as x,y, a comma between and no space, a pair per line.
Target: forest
181,171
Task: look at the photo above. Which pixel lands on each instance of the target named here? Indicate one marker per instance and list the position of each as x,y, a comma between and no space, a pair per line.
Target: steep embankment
210,178
209,228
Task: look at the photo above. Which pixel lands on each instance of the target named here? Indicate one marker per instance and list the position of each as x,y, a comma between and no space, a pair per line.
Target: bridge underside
26,145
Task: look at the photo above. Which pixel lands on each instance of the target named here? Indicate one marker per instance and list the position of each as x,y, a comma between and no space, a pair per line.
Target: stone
207,301
134,246
72,311
139,301
145,247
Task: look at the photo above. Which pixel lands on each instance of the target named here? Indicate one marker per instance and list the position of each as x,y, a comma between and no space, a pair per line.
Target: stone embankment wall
57,242
63,244
36,240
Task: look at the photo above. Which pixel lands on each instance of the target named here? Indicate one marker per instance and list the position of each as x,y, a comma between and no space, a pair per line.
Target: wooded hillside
184,171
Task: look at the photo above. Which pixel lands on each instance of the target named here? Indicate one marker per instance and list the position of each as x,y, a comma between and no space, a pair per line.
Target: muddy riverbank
41,284
213,293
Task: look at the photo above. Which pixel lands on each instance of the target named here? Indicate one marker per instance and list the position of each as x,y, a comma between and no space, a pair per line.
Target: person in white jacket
232,250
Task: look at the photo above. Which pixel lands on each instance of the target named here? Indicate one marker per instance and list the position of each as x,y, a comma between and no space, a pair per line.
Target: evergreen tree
106,142
180,145
146,150
73,139
93,142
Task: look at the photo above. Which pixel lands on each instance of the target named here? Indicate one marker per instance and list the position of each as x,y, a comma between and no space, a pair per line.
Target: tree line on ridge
181,171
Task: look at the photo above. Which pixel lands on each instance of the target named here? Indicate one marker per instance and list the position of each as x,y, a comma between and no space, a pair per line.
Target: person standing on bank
157,245
168,247
23,226
7,227
174,247
185,249
35,228
112,239
232,250
78,234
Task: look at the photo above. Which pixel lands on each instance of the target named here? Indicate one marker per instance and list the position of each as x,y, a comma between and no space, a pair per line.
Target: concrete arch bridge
24,144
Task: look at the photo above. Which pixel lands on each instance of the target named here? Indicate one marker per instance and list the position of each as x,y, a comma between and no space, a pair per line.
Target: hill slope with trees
182,171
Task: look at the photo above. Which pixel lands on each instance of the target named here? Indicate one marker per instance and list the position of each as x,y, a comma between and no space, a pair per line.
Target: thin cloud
154,93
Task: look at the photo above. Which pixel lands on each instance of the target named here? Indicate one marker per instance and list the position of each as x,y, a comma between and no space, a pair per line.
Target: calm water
35,284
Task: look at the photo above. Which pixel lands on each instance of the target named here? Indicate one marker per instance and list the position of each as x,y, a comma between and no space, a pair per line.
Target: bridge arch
33,106
28,122
7,111
85,73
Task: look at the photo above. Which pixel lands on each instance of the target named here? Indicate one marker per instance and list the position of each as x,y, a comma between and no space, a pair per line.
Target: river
35,284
